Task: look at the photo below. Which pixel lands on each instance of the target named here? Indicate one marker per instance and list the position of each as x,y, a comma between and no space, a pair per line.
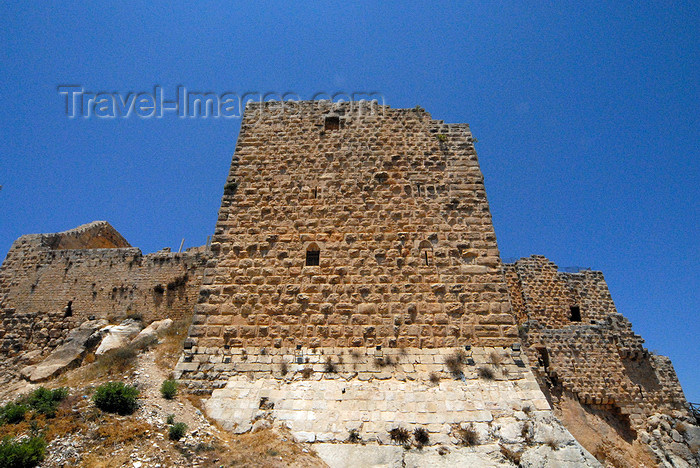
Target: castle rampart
51,283
572,330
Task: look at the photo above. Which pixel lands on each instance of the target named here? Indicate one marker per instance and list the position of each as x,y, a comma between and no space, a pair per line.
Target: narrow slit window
332,123
426,252
543,358
575,314
313,257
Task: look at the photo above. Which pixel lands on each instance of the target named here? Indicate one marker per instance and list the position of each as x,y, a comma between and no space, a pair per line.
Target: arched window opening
313,255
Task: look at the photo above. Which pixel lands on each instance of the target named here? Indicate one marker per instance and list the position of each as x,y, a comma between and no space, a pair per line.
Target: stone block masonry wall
394,203
410,389
46,289
599,359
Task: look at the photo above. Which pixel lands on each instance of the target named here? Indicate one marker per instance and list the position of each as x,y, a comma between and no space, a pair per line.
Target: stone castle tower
353,226
354,287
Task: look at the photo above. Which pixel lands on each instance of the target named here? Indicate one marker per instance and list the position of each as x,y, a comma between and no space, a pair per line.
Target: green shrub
116,397
26,453
170,419
45,401
12,413
168,389
177,431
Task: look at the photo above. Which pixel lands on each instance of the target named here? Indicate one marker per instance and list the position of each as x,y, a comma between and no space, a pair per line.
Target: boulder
117,336
692,435
77,341
260,425
150,333
360,456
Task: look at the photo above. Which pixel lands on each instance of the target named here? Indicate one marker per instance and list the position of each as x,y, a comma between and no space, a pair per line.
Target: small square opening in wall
313,257
575,314
332,123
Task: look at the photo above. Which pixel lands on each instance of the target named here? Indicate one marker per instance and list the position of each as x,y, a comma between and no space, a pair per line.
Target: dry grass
113,363
511,455
384,362
434,378
109,440
169,351
422,436
306,372
466,436
551,443
496,358
486,373
400,435
354,436
113,431
195,400
455,363
267,448
526,433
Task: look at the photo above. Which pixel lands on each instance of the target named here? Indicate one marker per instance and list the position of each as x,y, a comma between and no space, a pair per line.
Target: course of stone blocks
324,393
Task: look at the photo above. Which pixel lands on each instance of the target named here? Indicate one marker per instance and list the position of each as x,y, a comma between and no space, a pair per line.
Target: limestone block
67,354
360,456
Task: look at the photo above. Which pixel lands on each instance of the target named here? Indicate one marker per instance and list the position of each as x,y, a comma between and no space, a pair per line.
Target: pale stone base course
326,406
392,456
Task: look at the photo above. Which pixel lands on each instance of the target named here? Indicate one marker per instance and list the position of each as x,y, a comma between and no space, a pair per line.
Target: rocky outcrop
68,354
118,336
150,333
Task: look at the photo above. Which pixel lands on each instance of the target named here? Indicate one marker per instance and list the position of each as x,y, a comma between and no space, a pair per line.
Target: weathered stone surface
151,332
325,406
692,435
571,456
66,354
117,336
360,456
477,457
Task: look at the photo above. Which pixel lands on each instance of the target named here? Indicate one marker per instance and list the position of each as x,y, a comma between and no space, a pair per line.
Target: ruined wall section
599,359
95,235
376,195
47,290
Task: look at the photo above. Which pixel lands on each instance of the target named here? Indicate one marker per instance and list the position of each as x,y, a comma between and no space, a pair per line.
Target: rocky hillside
78,433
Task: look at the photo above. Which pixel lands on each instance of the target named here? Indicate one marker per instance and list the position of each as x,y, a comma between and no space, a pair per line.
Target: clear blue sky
586,115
